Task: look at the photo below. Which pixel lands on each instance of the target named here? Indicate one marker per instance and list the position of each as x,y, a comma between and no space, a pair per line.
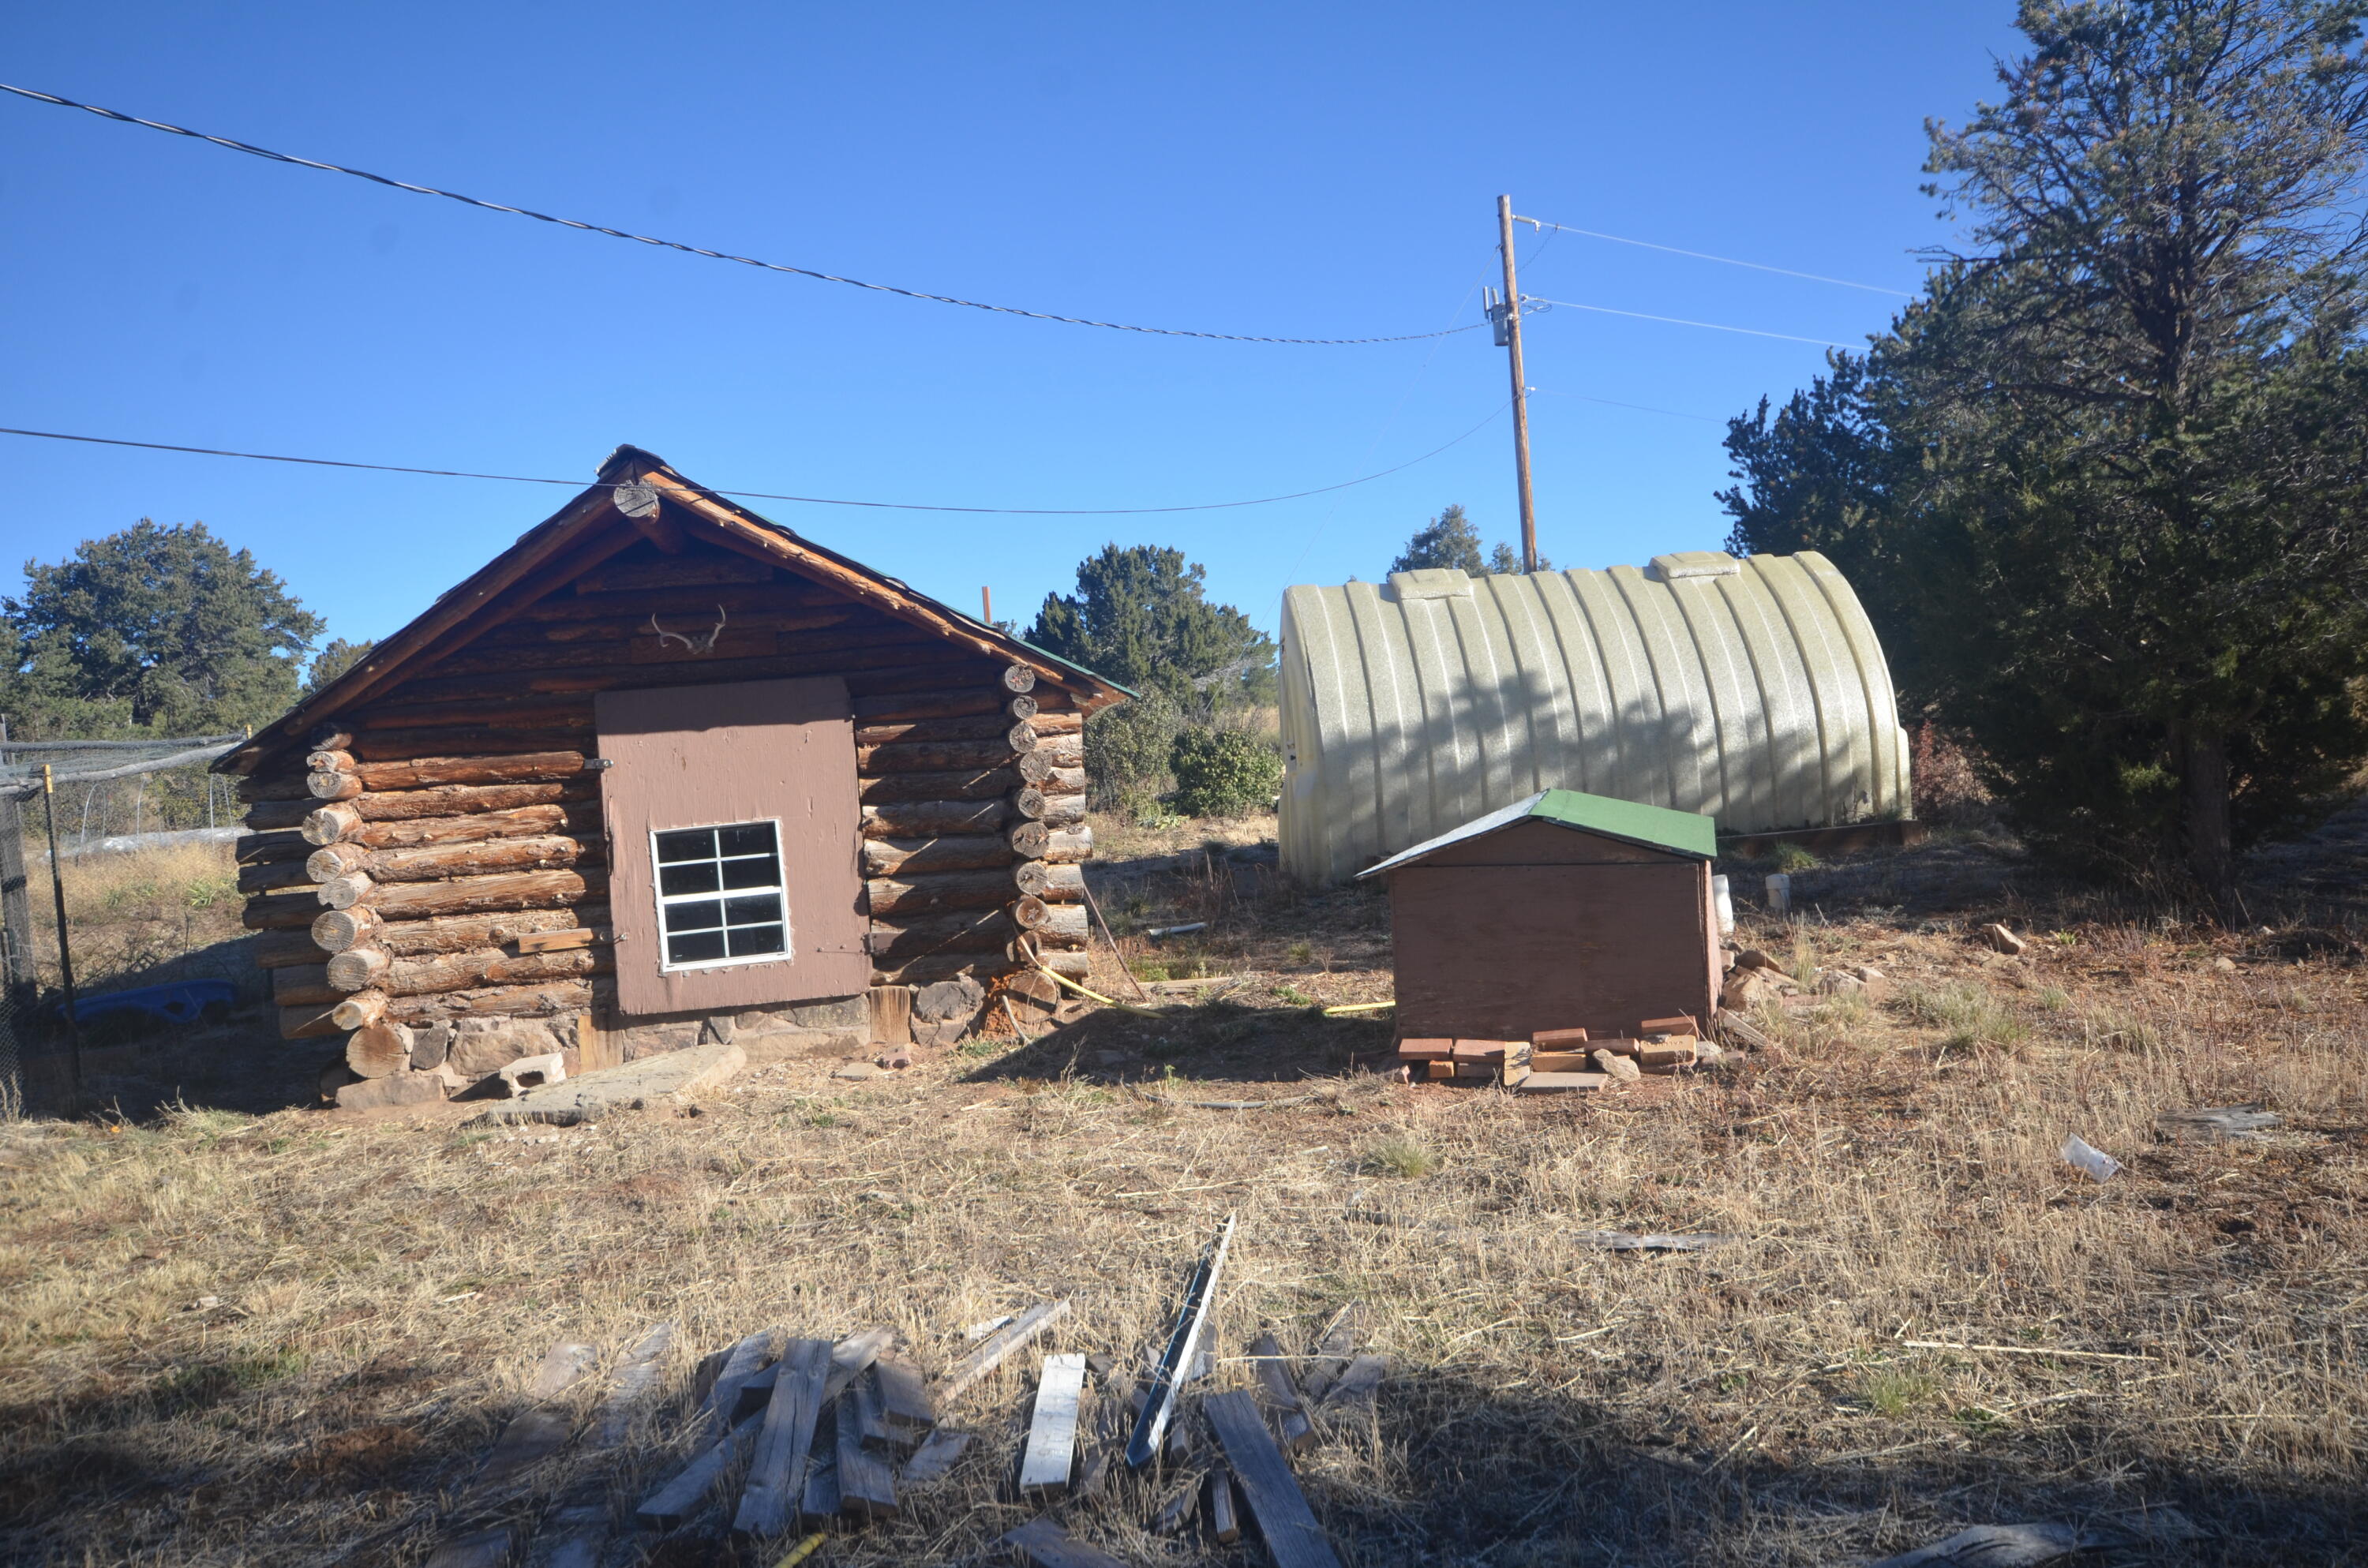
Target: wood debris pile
1560,1061
789,1438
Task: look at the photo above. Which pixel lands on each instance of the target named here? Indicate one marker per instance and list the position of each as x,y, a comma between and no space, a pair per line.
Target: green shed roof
1655,827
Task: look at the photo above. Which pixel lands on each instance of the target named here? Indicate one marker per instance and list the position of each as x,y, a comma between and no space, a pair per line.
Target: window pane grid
720,895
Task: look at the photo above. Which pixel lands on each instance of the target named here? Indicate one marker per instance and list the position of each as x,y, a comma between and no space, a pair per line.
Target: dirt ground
290,1337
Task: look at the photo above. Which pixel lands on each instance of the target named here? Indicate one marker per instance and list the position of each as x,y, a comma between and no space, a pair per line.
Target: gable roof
1653,827
590,528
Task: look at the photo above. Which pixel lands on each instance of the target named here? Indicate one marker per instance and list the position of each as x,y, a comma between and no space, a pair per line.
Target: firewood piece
1066,884
683,1497
1568,1041
1063,723
904,1400
340,930
342,823
1292,1537
1224,1522
777,1473
934,1457
334,786
1063,781
1051,1450
1019,677
1029,839
867,1487
1028,802
329,761
1032,914
380,1048
1282,1399
992,1354
1043,1544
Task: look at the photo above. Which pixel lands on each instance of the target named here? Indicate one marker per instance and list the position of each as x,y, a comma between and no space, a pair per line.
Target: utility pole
986,604
1508,315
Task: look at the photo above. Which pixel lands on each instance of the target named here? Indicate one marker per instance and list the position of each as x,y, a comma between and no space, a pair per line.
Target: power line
237,146
1726,260
764,496
1680,321
1613,402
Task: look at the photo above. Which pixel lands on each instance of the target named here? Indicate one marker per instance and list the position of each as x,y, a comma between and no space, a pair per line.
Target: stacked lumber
1555,1060
395,867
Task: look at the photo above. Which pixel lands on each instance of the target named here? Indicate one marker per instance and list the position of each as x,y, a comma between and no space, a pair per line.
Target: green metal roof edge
1069,663
1657,827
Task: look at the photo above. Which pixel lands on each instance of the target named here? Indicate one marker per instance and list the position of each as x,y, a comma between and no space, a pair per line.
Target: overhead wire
233,144
1615,402
767,495
1680,321
1541,224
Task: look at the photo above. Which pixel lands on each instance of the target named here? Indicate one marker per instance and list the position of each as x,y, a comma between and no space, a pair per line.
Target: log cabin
664,771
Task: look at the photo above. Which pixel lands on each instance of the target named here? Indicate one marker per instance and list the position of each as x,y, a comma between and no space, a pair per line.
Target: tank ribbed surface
1753,690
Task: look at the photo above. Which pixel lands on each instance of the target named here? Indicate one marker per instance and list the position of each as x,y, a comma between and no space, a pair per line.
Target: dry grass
2194,1327
129,912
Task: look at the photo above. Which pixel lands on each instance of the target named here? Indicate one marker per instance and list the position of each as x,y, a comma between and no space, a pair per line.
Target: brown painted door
733,845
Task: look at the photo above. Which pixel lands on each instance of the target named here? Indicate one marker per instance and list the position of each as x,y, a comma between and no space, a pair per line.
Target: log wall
439,853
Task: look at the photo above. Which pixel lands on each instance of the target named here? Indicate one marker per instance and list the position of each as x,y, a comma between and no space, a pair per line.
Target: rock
960,997
335,1078
858,1070
1998,939
637,1085
2224,966
1752,958
896,1061
482,1047
718,1029
1837,981
430,1043
395,1089
1745,990
1621,1068
533,1072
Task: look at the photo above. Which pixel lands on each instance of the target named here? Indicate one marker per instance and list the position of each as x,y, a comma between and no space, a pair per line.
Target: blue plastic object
180,1003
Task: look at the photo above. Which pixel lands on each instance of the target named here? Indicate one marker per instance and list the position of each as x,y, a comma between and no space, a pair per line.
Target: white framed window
720,895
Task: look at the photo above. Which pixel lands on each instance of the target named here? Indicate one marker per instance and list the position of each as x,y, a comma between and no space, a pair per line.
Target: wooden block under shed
1665,1056
1560,1039
1563,1083
1490,1053
1425,1049
1436,1070
1682,1023
1559,1062
1619,1046
1515,1071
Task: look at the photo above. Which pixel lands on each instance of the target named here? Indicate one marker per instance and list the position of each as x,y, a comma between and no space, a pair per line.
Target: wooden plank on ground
684,1495
1562,1083
1282,1401
1357,1383
867,1488
1224,1522
742,1362
1332,1351
777,1474
936,1457
992,1354
1053,1432
904,1399
539,1431
853,1355
1044,1544
632,1386
1294,1539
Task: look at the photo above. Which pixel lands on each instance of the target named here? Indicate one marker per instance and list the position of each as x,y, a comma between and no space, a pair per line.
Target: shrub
1127,753
1224,773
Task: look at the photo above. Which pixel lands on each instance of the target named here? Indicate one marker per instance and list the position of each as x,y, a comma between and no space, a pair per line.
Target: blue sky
1285,170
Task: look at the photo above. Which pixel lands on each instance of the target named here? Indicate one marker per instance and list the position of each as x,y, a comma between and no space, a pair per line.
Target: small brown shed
1561,910
662,770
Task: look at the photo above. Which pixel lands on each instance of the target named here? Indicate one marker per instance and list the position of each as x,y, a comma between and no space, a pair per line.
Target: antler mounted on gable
705,644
